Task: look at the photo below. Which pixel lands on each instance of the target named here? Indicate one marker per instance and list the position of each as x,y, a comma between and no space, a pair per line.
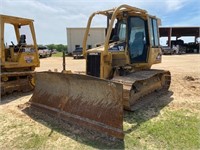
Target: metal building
178,32
97,35
75,37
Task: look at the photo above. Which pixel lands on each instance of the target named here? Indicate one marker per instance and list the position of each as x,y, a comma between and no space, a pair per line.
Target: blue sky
53,16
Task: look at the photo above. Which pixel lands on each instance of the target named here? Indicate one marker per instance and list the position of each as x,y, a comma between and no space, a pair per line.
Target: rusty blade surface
84,100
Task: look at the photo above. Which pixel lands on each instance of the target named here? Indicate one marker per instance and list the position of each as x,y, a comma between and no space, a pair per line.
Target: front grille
93,64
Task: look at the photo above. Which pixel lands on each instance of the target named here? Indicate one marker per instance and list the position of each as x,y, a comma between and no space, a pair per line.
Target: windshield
137,39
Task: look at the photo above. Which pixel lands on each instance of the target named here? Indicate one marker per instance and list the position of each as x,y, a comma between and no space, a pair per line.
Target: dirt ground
185,85
185,93
185,71
53,63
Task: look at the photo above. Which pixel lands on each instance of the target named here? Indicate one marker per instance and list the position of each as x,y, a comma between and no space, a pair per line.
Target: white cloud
174,5
52,17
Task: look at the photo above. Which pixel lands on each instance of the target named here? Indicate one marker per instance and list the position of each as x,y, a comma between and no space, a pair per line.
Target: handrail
114,12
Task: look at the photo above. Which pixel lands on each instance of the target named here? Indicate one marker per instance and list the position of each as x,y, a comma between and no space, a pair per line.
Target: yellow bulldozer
18,54
118,74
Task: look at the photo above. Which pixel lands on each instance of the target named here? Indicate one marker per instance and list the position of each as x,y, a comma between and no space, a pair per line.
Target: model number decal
93,53
29,59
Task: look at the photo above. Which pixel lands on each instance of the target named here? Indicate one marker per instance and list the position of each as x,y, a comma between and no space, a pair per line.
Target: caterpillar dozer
18,54
118,74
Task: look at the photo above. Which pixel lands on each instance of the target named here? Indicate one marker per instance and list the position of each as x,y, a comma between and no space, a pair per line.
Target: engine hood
113,47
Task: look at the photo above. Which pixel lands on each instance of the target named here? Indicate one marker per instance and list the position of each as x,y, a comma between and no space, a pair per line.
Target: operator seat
22,40
137,47
21,43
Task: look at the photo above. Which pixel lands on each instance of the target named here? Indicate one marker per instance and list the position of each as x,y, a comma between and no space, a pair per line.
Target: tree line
58,47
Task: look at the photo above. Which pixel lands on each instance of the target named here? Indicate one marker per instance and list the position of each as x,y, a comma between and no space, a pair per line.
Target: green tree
51,46
58,47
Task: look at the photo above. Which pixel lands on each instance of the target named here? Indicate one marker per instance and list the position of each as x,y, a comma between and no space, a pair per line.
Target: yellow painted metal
117,60
106,56
18,57
17,61
97,103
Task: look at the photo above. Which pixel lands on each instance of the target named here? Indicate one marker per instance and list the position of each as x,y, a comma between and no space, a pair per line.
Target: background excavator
117,74
18,54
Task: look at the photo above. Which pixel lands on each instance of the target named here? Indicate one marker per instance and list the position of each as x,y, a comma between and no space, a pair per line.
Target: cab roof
15,20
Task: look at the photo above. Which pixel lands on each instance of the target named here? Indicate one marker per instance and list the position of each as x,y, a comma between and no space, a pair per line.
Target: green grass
172,130
144,129
34,141
58,54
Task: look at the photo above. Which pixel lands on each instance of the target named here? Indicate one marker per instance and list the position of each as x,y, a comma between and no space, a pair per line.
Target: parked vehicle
78,53
167,50
43,52
192,47
178,46
53,51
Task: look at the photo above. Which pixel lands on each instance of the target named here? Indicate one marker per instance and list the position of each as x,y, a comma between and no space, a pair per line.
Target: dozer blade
84,100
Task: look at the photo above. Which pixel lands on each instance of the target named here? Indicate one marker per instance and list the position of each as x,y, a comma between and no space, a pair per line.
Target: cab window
154,32
122,31
137,42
